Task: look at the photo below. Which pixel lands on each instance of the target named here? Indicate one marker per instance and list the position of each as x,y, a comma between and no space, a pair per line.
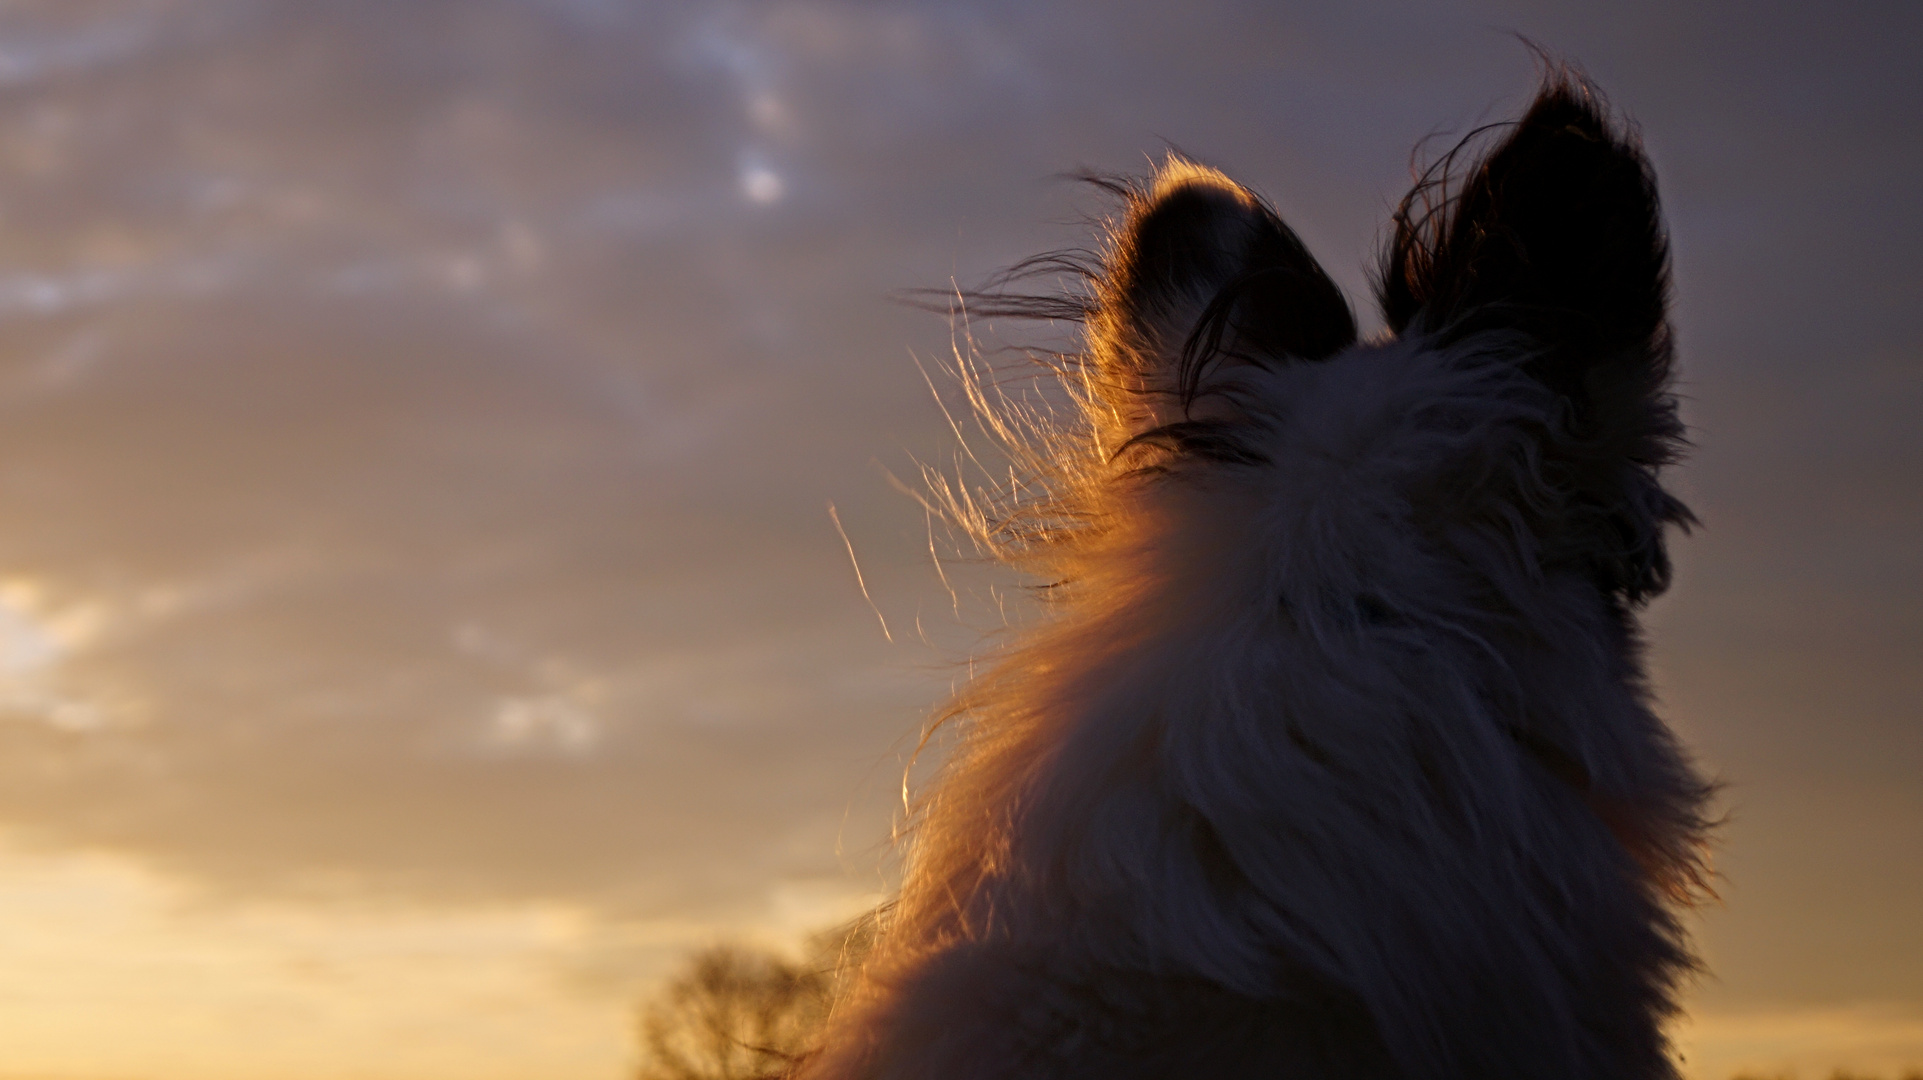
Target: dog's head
1547,244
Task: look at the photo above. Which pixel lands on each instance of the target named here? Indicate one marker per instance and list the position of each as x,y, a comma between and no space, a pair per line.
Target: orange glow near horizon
209,988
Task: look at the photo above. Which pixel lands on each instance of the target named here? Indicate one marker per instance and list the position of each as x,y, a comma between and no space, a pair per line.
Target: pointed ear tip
1567,101
1177,172
1184,202
1563,78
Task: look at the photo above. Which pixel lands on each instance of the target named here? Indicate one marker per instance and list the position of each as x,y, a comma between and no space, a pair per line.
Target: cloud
425,992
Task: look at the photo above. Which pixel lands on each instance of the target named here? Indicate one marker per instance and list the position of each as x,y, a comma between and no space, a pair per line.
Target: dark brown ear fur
1200,265
1198,269
1555,235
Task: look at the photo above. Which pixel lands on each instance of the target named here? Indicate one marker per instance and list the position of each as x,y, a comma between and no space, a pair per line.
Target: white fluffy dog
1333,755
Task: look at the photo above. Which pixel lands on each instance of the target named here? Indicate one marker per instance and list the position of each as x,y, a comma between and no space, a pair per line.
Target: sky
422,621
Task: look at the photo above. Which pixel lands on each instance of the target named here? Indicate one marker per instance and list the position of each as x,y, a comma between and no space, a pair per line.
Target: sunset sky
421,618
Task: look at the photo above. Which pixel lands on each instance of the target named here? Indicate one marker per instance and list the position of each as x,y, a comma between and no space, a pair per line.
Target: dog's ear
1555,237
1554,233
1200,266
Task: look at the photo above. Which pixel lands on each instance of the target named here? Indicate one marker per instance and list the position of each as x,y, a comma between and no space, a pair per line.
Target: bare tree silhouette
733,1014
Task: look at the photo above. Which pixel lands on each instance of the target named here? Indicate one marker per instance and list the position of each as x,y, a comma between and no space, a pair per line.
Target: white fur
1314,734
